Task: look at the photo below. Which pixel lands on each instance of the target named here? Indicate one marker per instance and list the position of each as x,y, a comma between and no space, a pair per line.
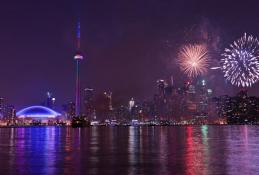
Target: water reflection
243,150
130,150
196,155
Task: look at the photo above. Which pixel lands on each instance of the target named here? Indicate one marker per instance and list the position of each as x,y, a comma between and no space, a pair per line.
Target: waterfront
130,150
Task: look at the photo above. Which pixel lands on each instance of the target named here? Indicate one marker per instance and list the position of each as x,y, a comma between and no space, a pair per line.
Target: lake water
155,150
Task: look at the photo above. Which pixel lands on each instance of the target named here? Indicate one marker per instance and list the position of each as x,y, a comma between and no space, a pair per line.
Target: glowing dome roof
37,112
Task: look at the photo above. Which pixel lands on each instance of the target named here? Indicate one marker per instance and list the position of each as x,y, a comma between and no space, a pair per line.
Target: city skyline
126,56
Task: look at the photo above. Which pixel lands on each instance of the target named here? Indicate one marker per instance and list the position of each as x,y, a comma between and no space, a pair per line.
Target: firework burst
240,62
193,59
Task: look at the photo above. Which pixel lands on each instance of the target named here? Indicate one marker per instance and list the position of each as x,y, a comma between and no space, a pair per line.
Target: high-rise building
50,101
69,110
88,103
10,114
108,95
131,104
240,109
7,112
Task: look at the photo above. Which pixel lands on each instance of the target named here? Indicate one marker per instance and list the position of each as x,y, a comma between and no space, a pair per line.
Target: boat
79,122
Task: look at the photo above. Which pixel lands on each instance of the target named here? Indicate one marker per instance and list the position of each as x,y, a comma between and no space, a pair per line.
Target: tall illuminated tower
78,58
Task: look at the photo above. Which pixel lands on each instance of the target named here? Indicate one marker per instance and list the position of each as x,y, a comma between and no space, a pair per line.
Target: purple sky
128,44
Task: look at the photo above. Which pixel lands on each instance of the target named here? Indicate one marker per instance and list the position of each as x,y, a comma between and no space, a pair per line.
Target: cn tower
78,58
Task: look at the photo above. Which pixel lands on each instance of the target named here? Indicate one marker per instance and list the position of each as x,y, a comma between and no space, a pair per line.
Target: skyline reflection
130,150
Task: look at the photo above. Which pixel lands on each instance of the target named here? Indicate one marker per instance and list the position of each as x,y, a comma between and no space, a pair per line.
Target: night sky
128,45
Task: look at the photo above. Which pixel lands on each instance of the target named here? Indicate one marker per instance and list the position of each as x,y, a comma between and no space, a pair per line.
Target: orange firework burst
193,59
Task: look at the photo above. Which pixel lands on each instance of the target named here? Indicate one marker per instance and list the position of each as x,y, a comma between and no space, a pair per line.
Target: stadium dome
37,112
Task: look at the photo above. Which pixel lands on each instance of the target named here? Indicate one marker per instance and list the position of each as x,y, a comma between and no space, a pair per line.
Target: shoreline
137,126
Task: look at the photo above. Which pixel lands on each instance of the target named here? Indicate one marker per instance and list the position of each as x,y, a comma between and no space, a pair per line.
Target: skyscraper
78,58
88,103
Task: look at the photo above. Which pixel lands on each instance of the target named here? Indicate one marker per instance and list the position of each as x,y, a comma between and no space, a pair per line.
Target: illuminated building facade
240,109
50,101
69,110
7,113
88,103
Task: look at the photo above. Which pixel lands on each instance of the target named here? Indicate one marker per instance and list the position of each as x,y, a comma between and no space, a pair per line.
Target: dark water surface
187,150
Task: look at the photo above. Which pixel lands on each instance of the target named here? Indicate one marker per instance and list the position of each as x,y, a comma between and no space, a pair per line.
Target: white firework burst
240,62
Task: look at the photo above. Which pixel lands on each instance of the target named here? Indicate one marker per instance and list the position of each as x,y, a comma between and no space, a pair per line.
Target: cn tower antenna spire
78,34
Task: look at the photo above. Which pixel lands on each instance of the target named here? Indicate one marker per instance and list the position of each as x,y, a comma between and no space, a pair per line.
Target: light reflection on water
187,150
